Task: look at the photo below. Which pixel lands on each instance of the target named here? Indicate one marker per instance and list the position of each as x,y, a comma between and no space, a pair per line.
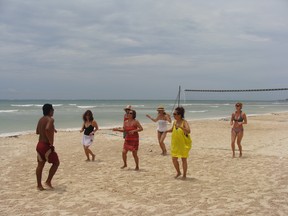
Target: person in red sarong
131,126
45,149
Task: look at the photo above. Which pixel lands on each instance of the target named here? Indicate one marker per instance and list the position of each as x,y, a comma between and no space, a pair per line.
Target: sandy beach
217,184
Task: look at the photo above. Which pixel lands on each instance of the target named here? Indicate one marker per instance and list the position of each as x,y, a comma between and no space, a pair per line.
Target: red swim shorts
46,153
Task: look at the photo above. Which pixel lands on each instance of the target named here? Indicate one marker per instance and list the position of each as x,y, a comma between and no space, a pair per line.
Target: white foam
8,111
199,111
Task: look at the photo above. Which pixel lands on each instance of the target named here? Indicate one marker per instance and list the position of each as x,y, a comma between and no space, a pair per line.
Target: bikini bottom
237,130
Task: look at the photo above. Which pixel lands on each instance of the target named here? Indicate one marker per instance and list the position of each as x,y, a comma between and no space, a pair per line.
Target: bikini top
240,118
88,130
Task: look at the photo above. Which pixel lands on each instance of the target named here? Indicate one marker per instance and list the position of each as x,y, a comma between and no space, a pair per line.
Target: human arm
37,129
95,125
49,131
244,119
186,127
168,118
171,129
138,129
232,119
154,120
119,129
82,129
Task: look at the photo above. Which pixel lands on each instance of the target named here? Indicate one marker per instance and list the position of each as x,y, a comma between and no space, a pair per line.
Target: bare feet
93,157
183,177
40,188
240,155
125,165
178,174
87,160
164,153
48,184
136,168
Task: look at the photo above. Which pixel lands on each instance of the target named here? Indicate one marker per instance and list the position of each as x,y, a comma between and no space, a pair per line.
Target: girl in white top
162,119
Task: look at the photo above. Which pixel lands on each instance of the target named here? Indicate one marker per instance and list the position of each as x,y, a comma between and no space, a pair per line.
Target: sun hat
128,107
160,108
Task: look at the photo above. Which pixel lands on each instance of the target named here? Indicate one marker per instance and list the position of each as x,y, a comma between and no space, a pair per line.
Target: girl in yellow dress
180,141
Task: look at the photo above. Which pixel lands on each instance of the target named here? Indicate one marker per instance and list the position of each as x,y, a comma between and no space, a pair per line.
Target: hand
52,148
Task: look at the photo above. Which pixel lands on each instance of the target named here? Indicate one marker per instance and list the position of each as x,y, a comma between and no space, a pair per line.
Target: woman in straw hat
162,119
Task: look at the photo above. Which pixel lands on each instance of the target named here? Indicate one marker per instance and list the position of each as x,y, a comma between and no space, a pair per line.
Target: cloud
253,38
115,43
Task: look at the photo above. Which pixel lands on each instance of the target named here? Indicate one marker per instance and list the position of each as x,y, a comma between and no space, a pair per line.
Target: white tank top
162,125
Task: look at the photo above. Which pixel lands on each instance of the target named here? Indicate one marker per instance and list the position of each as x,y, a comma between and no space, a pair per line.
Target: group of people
181,141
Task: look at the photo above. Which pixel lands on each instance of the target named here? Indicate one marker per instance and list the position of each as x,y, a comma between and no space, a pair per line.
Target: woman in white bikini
238,118
162,119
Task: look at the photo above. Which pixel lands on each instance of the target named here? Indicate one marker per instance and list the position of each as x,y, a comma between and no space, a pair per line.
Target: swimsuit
238,129
87,139
240,118
88,130
45,152
162,126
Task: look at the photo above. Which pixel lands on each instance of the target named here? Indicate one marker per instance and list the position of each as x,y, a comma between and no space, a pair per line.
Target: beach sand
256,184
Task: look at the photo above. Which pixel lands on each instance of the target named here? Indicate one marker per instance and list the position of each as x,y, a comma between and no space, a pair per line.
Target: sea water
21,116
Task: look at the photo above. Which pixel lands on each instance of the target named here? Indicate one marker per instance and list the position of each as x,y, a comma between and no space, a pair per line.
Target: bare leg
136,159
86,153
239,139
124,157
233,138
161,142
185,167
90,152
52,172
176,165
39,170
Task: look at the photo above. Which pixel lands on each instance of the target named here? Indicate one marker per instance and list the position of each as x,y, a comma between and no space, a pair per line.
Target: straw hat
160,108
128,107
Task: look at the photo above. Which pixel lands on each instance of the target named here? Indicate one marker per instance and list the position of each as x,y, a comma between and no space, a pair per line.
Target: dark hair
46,109
88,112
180,111
134,113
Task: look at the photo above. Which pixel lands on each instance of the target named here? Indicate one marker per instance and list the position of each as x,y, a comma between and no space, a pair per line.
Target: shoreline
225,118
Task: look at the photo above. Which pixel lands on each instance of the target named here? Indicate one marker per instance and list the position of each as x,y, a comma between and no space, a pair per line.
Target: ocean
21,116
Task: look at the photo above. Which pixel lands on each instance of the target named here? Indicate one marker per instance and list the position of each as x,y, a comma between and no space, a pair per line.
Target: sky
140,49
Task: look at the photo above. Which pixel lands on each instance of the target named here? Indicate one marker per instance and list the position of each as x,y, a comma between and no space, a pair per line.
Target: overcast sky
140,49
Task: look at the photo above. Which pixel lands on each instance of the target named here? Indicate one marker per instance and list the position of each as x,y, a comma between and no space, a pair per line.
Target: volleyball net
271,94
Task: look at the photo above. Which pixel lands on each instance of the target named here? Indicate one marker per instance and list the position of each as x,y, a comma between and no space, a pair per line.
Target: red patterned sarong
131,140
46,153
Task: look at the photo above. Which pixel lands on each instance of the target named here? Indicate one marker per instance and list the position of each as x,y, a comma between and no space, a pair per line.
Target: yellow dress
180,143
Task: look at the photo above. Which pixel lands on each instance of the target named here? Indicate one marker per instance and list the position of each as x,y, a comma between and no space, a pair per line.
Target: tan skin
45,129
237,125
161,136
186,128
130,122
87,123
